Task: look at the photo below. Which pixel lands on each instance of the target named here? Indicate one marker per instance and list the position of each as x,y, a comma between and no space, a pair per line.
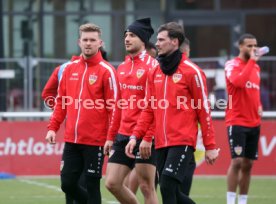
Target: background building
37,35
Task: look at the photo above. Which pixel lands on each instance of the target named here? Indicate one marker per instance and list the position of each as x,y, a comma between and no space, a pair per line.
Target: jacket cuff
147,139
50,127
210,147
110,137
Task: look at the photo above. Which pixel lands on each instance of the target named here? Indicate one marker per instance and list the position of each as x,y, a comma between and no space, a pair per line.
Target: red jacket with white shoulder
87,94
243,87
178,103
50,89
132,76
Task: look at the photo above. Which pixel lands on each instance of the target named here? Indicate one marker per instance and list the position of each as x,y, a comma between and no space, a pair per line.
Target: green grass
205,190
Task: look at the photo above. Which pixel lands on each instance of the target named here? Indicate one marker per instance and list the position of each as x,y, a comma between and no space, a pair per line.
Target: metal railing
31,74
6,116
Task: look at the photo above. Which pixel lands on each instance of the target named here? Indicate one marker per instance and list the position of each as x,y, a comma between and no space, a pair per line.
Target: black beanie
142,28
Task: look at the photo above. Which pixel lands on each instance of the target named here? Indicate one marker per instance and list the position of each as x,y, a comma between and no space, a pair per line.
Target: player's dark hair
246,36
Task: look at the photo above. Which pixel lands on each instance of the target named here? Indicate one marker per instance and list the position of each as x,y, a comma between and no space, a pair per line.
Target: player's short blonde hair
89,27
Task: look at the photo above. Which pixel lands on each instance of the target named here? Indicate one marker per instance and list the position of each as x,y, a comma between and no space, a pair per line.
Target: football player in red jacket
87,94
132,75
243,116
131,181
49,93
177,102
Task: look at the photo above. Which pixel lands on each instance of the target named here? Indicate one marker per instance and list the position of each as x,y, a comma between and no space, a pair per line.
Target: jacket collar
139,57
184,56
94,60
75,57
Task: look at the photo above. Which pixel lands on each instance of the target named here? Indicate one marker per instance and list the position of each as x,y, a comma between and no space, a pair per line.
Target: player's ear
79,42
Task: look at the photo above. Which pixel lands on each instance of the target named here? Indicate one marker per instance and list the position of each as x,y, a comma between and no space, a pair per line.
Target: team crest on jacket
177,77
140,73
238,150
92,79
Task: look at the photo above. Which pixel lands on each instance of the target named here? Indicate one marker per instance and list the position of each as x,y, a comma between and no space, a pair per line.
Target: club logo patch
140,73
238,150
92,79
177,77
111,153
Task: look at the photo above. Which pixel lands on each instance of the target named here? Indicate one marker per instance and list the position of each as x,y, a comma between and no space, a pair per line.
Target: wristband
133,137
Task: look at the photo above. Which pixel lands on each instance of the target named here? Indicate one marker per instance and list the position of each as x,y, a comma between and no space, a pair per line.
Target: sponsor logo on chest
252,85
74,76
131,87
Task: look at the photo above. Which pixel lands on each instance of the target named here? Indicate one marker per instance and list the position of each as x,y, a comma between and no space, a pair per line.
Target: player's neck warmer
170,63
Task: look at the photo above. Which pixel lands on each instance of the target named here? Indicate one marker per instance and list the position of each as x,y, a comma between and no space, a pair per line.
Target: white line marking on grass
38,177
55,188
109,201
220,196
35,196
45,185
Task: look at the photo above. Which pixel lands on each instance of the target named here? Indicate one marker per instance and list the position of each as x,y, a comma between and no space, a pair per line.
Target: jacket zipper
132,65
165,111
79,106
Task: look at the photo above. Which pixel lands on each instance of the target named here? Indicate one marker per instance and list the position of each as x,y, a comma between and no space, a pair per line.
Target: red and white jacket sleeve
145,126
150,132
50,89
235,76
112,96
199,94
59,112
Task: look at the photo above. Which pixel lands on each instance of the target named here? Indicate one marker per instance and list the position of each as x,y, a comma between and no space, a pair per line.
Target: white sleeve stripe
148,60
229,64
228,72
146,91
229,67
205,104
113,78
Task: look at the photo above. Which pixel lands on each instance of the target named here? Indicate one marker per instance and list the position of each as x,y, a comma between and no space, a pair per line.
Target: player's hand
107,146
260,111
51,137
129,148
254,54
145,149
211,156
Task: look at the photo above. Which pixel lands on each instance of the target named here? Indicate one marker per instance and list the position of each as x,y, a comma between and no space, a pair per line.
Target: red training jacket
243,87
50,89
132,75
178,102
87,94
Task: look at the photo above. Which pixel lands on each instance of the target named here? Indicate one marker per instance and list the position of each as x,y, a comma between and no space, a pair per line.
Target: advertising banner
24,151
